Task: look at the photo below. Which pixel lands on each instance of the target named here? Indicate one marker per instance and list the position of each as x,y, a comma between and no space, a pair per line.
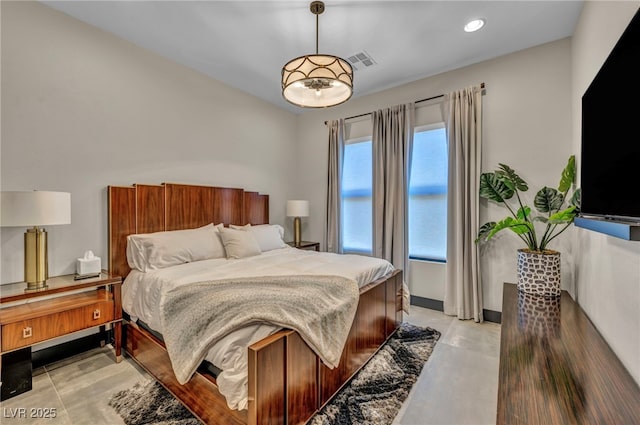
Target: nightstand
64,307
306,245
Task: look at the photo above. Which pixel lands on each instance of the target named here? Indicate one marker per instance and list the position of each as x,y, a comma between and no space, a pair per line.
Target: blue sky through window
427,196
357,211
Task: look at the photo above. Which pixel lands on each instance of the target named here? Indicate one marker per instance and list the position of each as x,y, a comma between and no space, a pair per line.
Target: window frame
369,138
421,129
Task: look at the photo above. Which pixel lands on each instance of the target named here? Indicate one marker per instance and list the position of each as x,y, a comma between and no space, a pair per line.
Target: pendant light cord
317,31
317,7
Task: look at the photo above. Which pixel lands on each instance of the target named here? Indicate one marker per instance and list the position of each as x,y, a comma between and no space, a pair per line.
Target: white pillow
152,251
239,243
268,236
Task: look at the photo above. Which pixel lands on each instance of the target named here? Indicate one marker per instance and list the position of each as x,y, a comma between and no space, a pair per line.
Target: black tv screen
610,161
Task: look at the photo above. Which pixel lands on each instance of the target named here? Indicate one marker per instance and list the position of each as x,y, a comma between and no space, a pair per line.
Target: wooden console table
555,367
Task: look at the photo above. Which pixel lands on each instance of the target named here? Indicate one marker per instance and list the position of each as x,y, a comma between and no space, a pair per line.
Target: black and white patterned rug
374,395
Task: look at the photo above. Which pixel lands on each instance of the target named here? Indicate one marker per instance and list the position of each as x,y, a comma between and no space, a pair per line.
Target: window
357,205
427,195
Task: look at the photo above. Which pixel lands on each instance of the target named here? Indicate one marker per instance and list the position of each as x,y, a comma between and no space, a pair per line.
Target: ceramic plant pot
539,272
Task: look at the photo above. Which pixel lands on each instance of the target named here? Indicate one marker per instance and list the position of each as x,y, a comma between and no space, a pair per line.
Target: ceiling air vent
361,60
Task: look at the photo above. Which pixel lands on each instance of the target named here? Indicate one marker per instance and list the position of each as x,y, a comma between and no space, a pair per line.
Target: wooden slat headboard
145,208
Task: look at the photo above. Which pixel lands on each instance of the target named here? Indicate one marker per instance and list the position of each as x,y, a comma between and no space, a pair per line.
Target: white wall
607,269
82,109
527,125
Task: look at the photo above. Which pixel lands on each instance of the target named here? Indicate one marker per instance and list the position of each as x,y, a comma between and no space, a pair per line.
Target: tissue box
88,265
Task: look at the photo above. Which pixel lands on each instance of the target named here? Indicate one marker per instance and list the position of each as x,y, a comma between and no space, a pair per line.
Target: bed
287,380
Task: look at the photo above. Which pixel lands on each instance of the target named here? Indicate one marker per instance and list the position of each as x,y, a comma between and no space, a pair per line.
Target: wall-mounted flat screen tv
610,160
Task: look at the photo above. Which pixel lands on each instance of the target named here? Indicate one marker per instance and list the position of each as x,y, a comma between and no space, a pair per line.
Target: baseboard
489,315
492,316
66,349
427,303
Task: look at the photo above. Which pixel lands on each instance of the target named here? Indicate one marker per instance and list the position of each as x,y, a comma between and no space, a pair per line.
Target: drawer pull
96,314
27,332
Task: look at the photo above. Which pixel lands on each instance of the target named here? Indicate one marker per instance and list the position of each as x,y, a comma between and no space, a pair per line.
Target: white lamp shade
317,81
297,208
34,208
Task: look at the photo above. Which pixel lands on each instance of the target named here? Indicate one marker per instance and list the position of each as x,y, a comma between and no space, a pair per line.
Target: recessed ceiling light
474,25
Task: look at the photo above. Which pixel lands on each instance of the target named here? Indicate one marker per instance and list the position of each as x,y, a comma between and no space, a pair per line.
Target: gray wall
607,269
83,109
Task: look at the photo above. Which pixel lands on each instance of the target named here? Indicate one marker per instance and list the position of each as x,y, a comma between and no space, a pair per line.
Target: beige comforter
195,316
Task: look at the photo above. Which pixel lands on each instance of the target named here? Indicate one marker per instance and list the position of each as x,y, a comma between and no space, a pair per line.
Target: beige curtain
336,151
463,289
392,146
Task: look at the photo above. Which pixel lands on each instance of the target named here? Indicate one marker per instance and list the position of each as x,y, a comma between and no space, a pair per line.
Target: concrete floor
458,384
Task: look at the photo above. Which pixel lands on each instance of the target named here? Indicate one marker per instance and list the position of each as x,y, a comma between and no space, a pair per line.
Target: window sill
427,260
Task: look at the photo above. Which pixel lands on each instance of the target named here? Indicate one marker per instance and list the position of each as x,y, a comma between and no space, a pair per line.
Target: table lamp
33,209
297,209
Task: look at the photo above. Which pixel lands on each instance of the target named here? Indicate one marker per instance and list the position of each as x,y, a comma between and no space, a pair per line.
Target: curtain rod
417,101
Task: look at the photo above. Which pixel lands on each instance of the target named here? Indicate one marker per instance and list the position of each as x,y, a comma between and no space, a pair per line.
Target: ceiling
245,43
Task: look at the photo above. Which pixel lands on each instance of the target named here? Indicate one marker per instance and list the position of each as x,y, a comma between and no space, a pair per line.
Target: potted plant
538,266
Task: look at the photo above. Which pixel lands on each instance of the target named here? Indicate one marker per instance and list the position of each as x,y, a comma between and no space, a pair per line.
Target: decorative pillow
239,243
268,236
152,251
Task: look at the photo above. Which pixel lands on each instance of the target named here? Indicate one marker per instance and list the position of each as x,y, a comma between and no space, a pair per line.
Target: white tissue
88,264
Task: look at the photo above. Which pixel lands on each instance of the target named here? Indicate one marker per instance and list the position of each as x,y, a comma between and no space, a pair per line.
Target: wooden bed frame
287,381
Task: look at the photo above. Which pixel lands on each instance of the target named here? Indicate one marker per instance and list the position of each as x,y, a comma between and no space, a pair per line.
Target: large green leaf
576,198
513,180
519,227
523,213
564,216
485,230
491,187
568,175
548,200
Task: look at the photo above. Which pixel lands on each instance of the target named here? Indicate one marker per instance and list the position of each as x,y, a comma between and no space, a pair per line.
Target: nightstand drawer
31,331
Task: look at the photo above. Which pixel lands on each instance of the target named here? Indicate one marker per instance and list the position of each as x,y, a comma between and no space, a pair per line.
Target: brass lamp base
296,231
35,259
36,287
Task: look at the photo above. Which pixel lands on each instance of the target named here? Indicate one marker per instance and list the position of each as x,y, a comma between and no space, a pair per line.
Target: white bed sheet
142,294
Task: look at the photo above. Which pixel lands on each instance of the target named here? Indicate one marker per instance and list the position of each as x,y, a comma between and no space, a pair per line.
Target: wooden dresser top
555,367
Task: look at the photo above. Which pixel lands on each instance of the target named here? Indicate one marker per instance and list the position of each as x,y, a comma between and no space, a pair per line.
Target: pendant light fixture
317,81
